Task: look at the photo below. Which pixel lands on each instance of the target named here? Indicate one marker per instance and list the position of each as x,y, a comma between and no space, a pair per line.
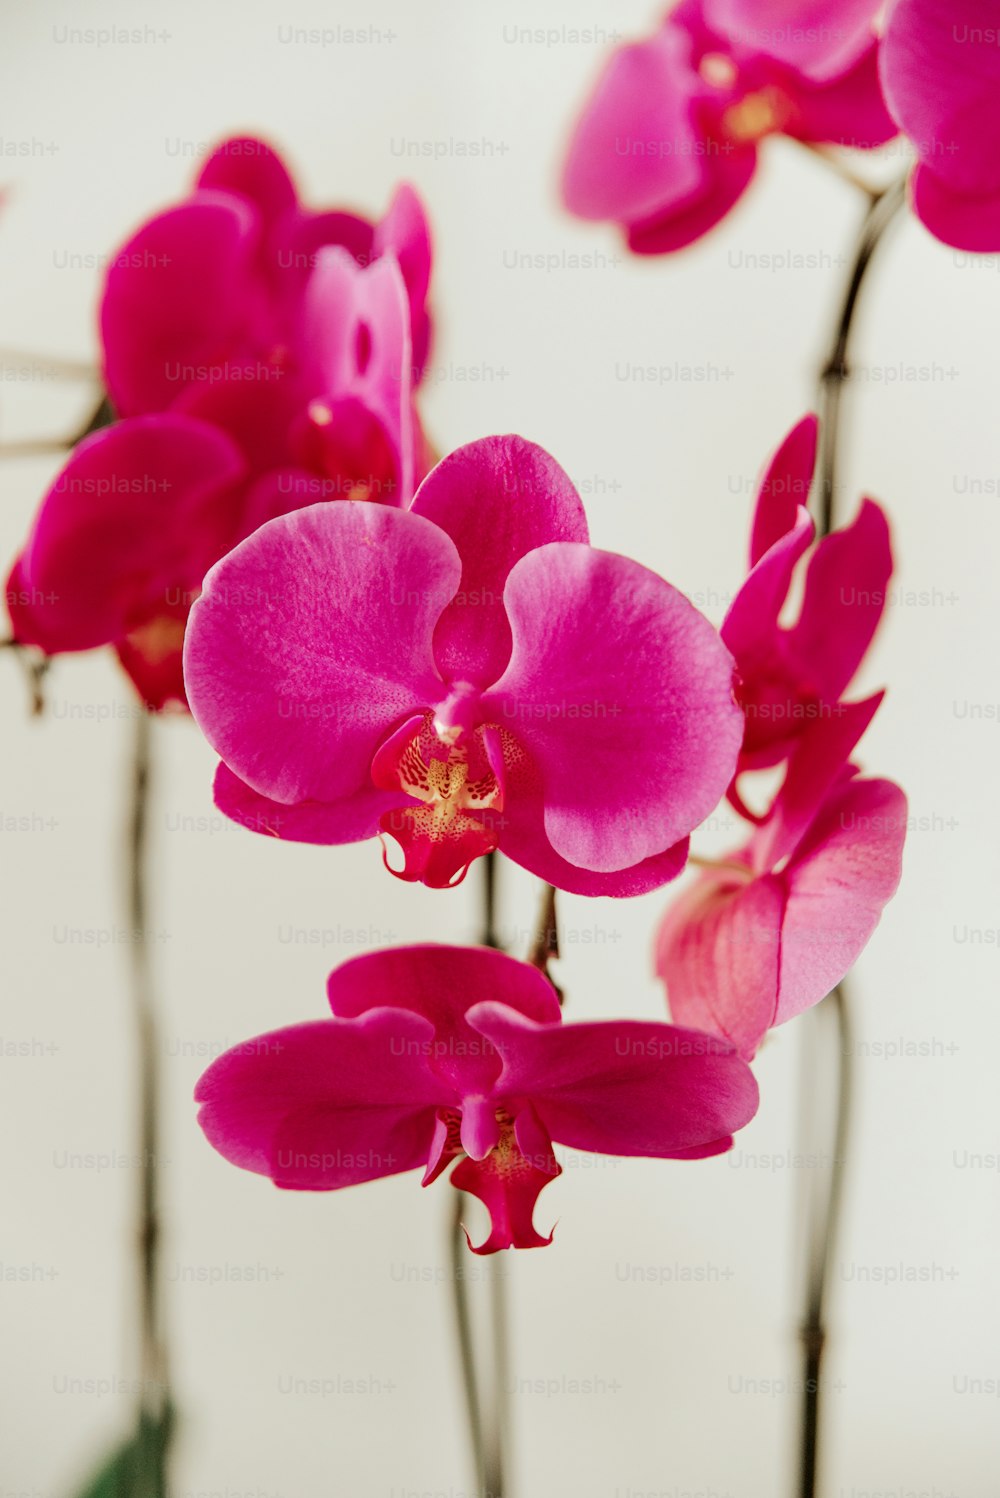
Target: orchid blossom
669,141
789,676
127,531
464,676
441,1055
770,930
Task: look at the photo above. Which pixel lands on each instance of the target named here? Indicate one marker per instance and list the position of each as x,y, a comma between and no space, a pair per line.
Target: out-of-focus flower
126,533
436,1055
776,925
466,675
940,69
788,676
668,142
211,291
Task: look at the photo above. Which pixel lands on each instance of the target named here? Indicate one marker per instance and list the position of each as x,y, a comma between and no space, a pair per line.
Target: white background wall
110,134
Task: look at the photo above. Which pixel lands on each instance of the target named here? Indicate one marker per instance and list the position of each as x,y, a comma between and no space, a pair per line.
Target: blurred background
654,1344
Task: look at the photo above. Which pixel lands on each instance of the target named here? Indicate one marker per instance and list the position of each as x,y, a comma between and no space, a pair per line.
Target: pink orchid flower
440,1054
141,511
210,291
940,69
464,676
771,930
791,675
668,142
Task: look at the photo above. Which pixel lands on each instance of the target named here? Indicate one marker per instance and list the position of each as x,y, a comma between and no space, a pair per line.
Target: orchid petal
312,639
622,693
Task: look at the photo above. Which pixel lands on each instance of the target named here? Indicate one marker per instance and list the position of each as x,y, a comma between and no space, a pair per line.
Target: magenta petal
966,223
940,70
354,346
441,983
126,533
325,1104
523,839
784,489
351,820
634,150
674,229
846,590
821,39
255,403
817,761
622,693
152,658
508,1184
178,298
312,639
850,111
718,952
622,1087
405,232
839,880
252,168
750,627
498,499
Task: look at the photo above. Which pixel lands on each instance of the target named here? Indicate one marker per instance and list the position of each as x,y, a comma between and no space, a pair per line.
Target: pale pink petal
718,952
841,877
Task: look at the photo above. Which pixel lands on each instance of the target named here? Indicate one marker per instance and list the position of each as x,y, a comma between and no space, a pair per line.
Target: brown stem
150,1479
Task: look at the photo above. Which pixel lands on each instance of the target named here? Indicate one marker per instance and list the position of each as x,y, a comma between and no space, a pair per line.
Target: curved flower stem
149,1477
838,164
823,1209
824,1222
836,370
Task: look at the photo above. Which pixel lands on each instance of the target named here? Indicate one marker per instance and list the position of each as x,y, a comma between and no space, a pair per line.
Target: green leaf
136,1469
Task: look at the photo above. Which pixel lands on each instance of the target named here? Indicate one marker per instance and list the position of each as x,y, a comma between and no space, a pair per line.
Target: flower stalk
823,1209
149,1476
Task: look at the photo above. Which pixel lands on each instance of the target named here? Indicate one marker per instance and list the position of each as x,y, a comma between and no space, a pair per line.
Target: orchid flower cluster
671,137
438,657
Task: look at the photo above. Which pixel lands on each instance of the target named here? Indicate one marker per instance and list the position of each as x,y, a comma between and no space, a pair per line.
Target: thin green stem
824,1210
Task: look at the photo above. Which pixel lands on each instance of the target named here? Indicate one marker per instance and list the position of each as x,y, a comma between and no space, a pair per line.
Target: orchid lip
453,771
